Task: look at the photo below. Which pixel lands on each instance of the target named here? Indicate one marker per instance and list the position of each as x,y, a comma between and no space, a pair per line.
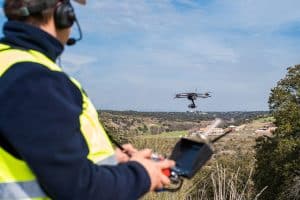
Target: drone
192,96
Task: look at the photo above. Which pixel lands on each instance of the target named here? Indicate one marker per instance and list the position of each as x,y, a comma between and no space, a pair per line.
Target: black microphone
72,41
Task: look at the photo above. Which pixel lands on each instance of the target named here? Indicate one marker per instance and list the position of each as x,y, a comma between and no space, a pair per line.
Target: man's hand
125,154
154,168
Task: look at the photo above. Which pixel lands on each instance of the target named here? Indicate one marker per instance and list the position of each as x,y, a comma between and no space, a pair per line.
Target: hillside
132,123
234,153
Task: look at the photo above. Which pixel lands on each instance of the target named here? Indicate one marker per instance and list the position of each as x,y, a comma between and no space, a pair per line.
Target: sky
137,54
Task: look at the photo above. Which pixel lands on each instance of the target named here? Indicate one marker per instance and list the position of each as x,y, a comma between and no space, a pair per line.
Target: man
51,142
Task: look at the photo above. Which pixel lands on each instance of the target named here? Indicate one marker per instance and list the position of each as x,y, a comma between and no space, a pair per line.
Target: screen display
186,155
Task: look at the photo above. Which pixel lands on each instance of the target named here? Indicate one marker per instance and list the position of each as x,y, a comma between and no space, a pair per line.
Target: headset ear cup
64,15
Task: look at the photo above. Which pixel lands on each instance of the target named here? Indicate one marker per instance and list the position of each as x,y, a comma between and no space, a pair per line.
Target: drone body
192,96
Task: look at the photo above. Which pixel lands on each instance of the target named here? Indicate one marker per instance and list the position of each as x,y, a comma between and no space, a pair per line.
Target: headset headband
82,2
29,9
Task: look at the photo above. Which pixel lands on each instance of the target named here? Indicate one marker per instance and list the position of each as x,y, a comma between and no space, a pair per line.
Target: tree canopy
278,157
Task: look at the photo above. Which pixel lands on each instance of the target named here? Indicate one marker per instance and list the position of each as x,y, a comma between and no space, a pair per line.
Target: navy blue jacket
32,100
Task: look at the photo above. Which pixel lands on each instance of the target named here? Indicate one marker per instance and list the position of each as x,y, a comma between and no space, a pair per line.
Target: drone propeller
192,96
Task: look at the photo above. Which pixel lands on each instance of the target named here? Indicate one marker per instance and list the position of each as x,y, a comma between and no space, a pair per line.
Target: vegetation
232,164
128,124
173,134
236,117
233,161
278,157
225,185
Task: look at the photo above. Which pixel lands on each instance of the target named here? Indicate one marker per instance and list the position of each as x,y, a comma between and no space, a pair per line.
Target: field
226,176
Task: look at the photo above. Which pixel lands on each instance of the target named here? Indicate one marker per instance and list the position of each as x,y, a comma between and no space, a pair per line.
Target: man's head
44,13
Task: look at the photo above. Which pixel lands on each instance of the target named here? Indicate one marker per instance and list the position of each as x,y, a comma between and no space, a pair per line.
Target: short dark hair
17,10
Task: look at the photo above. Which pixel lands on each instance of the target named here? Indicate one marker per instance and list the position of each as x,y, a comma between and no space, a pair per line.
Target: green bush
278,157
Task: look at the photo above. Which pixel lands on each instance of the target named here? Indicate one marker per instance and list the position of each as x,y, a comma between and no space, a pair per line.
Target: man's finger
166,164
129,148
145,153
165,180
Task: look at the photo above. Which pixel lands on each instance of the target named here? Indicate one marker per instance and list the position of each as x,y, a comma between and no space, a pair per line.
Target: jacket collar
25,36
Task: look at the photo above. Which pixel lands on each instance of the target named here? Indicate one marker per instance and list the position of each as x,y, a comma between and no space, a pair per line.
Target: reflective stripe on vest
21,190
16,178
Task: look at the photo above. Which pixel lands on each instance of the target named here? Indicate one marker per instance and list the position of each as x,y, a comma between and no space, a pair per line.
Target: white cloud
73,63
255,15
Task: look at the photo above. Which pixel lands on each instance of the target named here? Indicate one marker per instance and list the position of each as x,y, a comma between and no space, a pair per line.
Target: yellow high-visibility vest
17,181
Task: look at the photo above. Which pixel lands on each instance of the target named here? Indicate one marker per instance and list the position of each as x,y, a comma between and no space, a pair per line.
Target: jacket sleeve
39,118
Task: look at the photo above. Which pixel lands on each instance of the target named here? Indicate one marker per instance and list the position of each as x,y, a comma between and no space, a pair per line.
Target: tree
278,157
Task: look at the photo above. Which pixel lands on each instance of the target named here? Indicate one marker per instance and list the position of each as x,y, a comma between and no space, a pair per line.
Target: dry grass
225,185
230,179
221,184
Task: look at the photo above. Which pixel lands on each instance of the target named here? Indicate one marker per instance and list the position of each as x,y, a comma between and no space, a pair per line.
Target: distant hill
236,117
131,123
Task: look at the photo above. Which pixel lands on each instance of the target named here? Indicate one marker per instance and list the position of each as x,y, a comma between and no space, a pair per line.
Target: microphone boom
72,41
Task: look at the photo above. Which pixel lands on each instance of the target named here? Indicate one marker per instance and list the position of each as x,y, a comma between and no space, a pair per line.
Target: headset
64,17
64,14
